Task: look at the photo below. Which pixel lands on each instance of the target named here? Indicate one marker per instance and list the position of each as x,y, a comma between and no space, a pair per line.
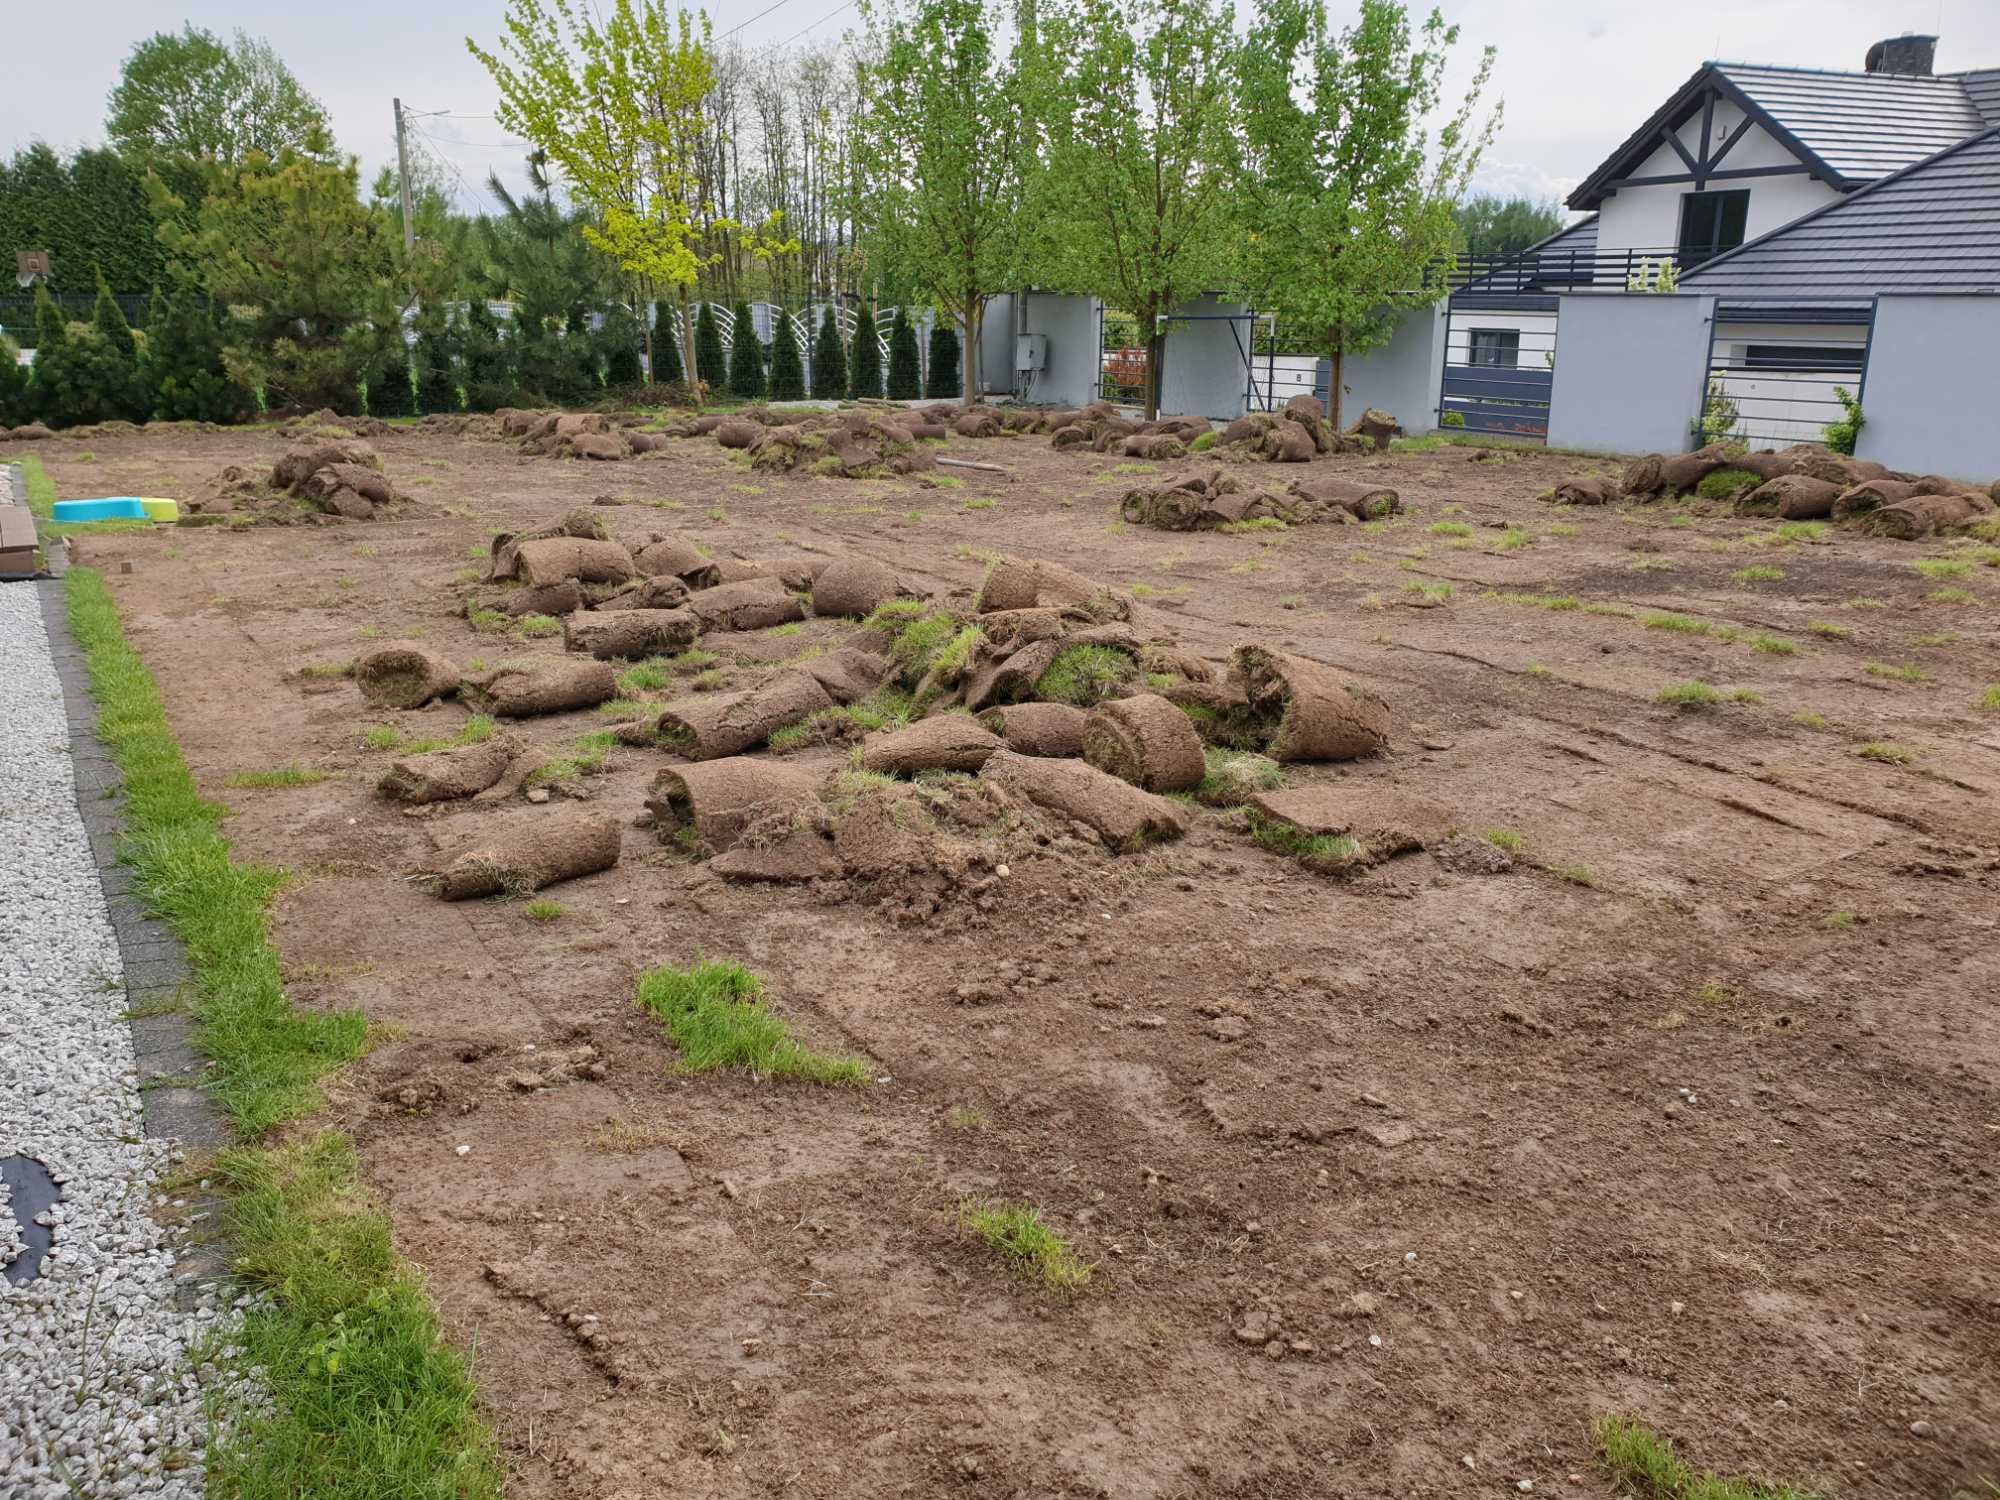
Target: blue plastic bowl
122,509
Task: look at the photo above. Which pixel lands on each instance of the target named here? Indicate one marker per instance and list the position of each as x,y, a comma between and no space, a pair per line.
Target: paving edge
156,966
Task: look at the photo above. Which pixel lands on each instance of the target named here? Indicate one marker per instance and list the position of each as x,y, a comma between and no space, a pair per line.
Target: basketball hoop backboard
31,265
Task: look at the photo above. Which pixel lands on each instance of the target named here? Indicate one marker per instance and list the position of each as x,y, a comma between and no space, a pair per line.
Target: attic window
1712,223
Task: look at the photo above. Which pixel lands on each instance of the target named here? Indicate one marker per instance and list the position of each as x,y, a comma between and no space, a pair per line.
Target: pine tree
619,340
866,364
437,369
710,367
944,383
491,380
788,371
89,376
906,376
14,410
746,358
667,368
391,392
184,367
829,361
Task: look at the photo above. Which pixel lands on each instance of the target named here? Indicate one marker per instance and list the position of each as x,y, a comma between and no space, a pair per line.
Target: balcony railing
1558,270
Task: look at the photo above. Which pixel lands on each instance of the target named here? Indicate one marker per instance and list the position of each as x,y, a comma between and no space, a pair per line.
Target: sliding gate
1499,363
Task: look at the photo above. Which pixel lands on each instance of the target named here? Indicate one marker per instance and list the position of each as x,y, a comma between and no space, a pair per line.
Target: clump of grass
585,757
487,621
1827,628
1887,752
1436,592
1991,701
1234,775
1840,920
1512,539
1255,523
1745,695
1773,645
714,1012
1575,874
1810,720
964,1117
1450,528
1562,532
538,626
1908,672
542,911
1801,531
978,505
1085,675
692,660
1864,602
291,775
473,731
1760,573
1536,669
1135,468
382,737
1694,693
325,669
646,676
1726,484
1016,1232
1505,838
1557,602
1951,596
1648,1465
1934,638
1204,441
1942,567
1315,850
621,709
1678,624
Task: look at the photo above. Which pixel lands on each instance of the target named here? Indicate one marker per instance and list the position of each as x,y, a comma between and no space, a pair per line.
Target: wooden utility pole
403,175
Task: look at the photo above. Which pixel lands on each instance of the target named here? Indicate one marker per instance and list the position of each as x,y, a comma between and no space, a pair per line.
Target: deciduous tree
192,94
1346,211
1142,157
950,141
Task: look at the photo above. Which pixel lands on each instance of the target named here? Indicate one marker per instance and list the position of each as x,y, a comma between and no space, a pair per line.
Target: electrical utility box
1031,353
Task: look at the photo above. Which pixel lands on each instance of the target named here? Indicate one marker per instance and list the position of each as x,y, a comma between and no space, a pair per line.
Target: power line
817,24
755,19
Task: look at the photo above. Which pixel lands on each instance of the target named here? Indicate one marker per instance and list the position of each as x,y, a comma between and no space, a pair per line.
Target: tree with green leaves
487,355
666,345
950,137
829,371
864,363
89,373
708,356
619,342
906,375
290,242
184,368
1346,208
1142,157
1489,225
942,383
191,94
788,371
746,356
14,406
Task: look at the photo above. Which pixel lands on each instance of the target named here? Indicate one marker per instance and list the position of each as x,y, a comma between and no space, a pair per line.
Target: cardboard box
17,542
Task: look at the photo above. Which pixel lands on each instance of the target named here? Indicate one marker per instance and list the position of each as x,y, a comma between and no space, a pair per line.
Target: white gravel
101,1374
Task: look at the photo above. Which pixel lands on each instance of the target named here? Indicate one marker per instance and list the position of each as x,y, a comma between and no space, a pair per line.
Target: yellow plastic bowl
165,511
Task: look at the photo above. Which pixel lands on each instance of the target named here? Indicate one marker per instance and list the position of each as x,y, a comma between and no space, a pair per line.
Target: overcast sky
1576,75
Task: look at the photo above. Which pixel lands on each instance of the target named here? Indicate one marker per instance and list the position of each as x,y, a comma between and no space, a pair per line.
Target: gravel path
101,1372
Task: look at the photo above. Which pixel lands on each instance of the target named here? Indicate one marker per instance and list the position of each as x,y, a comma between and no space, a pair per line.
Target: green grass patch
292,775
1505,838
585,757
1513,539
1991,701
1017,1234
542,911
1827,628
1887,752
473,731
1648,1465
1678,624
1726,484
1760,573
1204,441
978,505
1744,695
1437,593
1809,720
366,1398
1233,776
1908,672
715,1014
1085,675
1562,533
1450,528
1318,850
1575,875
536,627
1694,693
1942,567
1773,645
1254,524
1951,596
1801,531
321,670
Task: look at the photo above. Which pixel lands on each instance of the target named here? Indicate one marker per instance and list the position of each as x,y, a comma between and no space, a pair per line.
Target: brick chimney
1908,53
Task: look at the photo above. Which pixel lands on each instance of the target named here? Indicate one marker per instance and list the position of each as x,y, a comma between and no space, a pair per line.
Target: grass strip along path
368,1401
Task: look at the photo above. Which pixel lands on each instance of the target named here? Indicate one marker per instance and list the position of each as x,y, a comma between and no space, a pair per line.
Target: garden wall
1929,393
1631,370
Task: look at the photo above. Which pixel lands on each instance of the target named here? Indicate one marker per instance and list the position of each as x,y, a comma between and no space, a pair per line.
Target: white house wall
1649,218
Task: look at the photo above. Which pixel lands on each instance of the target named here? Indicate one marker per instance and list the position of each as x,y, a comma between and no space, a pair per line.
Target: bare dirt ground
1392,1183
